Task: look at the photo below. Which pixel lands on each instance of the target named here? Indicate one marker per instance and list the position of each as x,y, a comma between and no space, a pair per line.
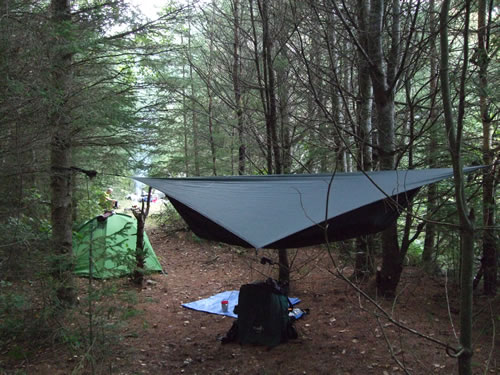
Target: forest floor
343,334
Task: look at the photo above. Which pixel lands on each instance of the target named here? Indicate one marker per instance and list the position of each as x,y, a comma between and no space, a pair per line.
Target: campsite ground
341,335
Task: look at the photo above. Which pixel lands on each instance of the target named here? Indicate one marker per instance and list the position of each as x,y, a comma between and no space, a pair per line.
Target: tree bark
339,146
365,91
194,117
284,270
262,84
364,264
237,86
317,123
211,131
271,114
454,134
184,119
283,88
60,152
210,97
410,121
383,90
428,254
271,119
140,253
489,260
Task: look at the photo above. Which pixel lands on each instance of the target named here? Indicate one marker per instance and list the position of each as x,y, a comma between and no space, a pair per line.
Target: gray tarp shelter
288,211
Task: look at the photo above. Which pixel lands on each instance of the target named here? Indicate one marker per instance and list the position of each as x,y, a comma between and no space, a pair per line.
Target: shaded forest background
91,92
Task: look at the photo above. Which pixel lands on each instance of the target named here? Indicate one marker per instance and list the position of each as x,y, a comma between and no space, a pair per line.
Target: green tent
112,241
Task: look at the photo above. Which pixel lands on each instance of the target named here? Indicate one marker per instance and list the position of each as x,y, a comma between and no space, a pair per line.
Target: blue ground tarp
212,305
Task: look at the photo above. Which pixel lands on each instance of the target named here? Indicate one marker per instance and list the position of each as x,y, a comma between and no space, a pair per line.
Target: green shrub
168,218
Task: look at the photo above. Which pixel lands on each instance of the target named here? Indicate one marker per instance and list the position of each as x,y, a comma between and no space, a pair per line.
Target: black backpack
262,316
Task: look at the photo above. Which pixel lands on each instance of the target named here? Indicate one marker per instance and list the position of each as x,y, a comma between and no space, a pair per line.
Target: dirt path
340,336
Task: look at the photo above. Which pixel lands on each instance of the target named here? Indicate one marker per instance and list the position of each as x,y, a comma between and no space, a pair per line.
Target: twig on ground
493,336
391,350
448,303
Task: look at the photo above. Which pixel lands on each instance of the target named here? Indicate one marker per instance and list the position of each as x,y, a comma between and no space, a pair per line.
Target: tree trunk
364,255
237,87
392,264
489,260
334,131
383,90
271,116
138,276
210,98
194,119
365,91
60,153
283,89
284,270
319,128
184,118
271,119
339,146
140,253
428,254
211,131
454,134
262,84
